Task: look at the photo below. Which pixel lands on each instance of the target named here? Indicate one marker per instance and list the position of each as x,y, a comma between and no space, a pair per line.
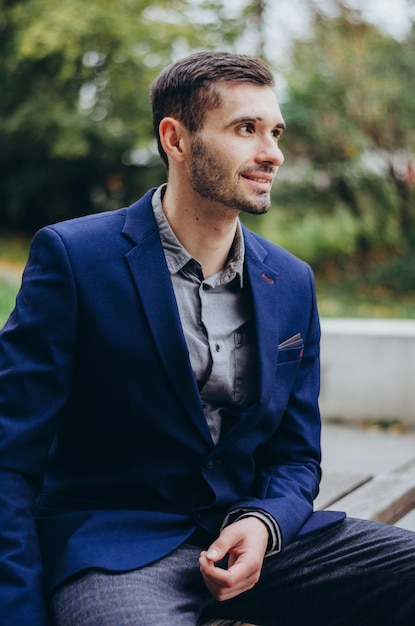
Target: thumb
217,550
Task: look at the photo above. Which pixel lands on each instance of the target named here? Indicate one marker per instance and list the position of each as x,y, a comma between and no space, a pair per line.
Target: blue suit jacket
103,436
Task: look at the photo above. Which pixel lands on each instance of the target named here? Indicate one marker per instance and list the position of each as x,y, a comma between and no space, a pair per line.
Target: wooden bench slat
407,521
386,498
336,485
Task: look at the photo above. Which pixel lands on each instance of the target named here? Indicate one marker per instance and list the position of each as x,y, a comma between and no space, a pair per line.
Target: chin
257,211
257,208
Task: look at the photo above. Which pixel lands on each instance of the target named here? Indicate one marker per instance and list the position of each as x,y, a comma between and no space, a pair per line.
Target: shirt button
217,347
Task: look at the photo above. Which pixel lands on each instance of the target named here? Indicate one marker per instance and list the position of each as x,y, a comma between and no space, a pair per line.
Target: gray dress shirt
218,323
217,320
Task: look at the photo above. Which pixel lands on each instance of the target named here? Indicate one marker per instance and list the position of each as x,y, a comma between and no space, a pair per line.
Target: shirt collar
177,256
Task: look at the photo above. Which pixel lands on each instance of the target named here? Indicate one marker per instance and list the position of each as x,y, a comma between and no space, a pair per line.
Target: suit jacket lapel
152,279
264,286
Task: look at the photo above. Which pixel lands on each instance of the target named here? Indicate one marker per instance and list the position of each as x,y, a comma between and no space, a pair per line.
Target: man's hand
245,541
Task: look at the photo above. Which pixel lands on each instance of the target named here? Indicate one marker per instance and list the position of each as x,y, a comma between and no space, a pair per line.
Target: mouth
259,180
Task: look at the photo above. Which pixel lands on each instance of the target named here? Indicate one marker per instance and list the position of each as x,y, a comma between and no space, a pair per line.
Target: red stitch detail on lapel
268,279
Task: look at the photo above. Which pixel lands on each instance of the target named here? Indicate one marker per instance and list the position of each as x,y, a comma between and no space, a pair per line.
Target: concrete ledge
368,369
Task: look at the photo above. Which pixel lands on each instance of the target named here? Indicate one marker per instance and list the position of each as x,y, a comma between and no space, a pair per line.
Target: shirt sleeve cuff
275,539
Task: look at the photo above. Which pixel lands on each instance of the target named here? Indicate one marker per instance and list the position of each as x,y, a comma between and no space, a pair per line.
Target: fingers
245,542
225,584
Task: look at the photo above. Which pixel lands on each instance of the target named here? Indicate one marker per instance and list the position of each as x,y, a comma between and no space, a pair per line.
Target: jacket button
209,464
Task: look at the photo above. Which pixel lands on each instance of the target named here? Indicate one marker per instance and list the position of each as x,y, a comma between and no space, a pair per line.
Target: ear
172,137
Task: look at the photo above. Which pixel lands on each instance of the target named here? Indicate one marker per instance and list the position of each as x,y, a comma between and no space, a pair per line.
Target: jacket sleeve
36,347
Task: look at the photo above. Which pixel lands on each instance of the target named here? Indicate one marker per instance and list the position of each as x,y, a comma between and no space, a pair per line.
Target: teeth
258,179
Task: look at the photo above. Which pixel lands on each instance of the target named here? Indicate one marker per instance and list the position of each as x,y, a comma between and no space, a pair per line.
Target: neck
206,230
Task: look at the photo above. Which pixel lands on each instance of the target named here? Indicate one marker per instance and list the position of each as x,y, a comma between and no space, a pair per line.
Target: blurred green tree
351,111
75,127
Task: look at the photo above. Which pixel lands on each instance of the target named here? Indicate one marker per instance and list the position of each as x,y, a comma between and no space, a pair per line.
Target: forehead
245,100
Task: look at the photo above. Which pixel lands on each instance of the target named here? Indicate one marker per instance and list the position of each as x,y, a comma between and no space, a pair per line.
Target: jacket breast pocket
286,355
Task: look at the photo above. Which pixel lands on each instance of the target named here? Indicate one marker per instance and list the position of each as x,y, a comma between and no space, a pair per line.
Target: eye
277,132
247,128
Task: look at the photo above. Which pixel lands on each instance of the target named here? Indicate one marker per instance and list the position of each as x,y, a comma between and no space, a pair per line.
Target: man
160,430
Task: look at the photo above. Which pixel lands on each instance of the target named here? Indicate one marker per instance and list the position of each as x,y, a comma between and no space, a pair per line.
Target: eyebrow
245,119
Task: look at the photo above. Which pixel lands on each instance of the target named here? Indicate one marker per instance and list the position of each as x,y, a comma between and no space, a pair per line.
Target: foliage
8,290
351,132
75,127
76,137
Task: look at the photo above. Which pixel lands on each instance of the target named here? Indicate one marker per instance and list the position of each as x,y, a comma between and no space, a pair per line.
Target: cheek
231,161
224,167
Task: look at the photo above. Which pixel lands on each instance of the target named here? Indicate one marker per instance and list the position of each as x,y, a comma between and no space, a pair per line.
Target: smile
259,180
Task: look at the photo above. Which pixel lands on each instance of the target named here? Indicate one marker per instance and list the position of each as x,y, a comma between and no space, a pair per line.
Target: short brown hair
185,90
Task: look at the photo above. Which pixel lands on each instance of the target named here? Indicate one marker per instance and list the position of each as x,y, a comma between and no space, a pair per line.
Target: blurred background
75,127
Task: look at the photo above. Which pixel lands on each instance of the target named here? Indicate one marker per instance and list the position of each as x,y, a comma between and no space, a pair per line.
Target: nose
270,153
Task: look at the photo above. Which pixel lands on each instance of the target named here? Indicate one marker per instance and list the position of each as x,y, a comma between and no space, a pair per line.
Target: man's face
235,156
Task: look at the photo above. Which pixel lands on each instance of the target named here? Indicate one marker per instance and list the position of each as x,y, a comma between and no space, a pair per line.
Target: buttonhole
268,279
